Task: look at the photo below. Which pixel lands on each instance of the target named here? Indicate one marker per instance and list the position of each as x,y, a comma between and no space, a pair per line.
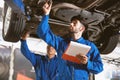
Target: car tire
105,41
13,24
109,44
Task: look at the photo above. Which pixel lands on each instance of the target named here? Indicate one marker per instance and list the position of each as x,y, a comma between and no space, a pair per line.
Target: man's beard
73,32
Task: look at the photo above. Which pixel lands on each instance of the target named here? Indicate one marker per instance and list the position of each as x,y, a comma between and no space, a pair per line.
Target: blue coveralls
45,69
78,71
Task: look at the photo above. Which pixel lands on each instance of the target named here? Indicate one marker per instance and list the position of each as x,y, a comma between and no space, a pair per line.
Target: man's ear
82,28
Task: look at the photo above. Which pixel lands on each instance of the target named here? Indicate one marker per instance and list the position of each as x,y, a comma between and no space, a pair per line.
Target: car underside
102,17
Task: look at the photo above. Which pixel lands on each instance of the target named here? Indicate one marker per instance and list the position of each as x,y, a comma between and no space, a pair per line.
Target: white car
102,17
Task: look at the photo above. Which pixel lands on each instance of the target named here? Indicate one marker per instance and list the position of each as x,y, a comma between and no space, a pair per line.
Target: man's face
75,26
50,50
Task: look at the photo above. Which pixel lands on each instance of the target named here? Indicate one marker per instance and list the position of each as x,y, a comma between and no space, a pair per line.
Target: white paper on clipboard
74,49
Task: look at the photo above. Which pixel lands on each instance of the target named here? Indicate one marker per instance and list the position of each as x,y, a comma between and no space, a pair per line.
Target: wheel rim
7,20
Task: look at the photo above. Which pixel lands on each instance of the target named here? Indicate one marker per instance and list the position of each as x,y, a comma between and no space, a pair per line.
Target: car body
102,17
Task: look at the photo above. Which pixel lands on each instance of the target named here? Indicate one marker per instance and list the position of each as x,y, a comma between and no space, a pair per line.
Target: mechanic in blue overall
90,63
46,67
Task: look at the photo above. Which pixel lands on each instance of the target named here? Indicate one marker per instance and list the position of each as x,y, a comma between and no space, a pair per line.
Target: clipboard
73,50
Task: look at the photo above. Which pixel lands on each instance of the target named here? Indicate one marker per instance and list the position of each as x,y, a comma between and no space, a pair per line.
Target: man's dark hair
81,19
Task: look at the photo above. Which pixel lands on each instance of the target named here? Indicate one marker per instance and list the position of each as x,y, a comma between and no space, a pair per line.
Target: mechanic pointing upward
90,63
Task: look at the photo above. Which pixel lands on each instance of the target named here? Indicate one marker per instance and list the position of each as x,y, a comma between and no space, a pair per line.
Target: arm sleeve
44,32
95,64
27,53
